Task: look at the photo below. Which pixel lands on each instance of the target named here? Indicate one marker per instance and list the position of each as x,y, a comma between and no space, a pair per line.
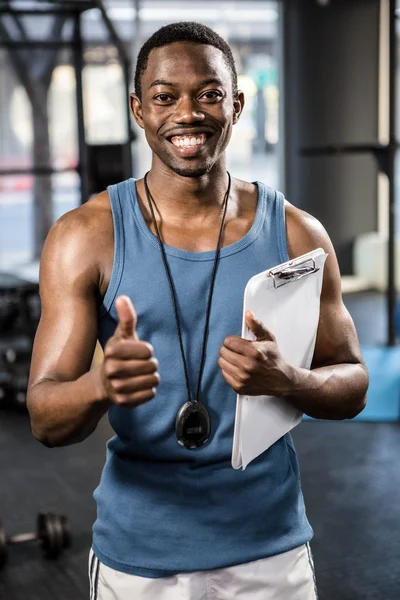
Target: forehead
183,61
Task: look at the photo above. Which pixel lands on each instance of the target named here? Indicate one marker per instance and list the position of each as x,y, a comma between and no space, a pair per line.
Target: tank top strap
274,218
117,194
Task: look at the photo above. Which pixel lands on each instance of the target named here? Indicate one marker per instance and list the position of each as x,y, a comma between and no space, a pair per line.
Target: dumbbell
13,388
53,534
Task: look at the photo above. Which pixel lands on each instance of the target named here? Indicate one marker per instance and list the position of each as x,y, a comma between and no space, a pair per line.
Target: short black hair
185,31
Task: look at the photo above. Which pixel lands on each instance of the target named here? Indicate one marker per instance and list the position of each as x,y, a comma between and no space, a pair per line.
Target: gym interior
320,124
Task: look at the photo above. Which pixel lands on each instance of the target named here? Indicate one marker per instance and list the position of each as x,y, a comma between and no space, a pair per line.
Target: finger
130,368
230,369
126,328
256,327
122,349
237,360
136,384
132,400
235,385
237,344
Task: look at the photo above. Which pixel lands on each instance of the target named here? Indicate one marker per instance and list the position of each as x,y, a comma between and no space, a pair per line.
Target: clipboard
286,299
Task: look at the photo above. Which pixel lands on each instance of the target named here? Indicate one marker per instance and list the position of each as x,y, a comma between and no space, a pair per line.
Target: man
156,269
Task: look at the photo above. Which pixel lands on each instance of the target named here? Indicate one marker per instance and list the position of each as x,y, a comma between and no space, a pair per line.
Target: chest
189,237
198,237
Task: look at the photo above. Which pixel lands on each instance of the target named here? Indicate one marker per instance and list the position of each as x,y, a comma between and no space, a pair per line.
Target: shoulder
304,232
84,225
85,219
76,242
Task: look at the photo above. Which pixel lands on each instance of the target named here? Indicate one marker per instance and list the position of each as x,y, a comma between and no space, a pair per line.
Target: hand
255,368
129,370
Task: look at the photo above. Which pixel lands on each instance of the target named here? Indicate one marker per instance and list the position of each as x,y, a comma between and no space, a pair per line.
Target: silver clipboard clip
295,270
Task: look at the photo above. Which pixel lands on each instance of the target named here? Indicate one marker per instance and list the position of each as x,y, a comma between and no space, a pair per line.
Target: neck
187,196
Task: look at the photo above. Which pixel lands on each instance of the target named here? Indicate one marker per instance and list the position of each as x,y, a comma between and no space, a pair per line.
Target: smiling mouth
188,141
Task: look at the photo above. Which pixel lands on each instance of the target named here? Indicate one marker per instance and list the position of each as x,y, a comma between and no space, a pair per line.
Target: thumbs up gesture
130,374
255,368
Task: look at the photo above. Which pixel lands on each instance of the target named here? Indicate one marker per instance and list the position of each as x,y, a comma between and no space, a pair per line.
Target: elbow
38,425
40,434
53,436
51,441
359,401
357,408
40,431
45,441
37,429
345,412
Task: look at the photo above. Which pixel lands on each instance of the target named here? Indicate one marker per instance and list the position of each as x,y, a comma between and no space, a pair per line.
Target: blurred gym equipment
53,533
19,318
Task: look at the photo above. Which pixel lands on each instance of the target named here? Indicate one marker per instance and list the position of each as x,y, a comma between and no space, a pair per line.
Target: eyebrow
157,82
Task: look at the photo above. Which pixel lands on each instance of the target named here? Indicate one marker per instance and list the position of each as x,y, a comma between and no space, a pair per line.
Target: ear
136,109
238,105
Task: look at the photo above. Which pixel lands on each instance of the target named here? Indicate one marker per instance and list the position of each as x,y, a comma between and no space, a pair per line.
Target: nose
187,111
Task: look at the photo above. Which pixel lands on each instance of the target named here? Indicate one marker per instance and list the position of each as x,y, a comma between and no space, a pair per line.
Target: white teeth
186,141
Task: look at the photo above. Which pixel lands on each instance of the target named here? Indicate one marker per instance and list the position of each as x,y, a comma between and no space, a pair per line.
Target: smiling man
156,269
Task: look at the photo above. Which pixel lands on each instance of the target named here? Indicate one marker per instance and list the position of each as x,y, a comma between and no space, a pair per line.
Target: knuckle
118,385
248,368
109,367
120,399
244,377
108,351
256,353
254,367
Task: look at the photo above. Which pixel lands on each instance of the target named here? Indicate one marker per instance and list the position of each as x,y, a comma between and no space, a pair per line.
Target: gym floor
351,484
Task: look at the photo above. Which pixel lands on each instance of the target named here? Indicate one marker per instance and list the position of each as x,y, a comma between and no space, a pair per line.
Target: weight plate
3,546
41,530
58,539
50,534
66,527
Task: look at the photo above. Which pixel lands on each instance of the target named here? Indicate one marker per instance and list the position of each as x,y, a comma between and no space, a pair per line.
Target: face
187,108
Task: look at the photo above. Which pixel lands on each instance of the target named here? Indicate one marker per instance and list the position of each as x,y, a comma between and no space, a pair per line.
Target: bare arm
65,399
336,385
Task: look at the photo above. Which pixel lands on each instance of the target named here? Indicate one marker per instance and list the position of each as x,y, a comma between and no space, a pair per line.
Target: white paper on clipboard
286,299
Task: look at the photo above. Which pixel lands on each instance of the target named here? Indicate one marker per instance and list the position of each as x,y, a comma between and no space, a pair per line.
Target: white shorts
287,576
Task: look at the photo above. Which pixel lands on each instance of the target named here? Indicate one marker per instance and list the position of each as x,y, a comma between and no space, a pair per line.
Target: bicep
337,340
67,332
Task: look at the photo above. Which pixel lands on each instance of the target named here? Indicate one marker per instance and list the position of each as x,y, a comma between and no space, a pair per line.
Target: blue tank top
164,509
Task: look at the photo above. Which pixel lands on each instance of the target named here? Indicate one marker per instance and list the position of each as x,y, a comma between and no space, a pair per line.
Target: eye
163,98
211,96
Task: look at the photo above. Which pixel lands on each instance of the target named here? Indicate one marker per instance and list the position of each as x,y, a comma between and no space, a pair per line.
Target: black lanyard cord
173,292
